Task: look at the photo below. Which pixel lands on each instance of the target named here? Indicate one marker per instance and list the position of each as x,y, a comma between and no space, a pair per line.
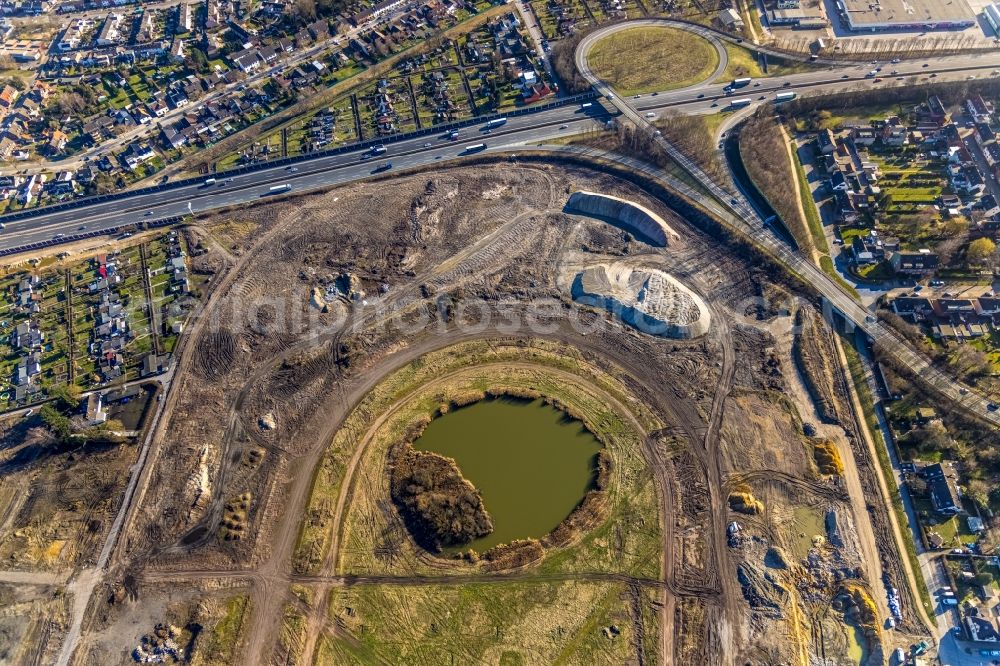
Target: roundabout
642,57
702,54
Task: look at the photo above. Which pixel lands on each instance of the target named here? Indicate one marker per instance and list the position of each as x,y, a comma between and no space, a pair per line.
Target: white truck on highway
277,189
784,97
740,83
209,181
740,103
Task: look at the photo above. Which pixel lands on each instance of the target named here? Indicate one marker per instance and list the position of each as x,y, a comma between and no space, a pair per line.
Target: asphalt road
825,80
532,129
737,211
306,175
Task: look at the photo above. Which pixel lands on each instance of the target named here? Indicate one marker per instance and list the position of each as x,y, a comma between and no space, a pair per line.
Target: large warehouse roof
904,14
992,13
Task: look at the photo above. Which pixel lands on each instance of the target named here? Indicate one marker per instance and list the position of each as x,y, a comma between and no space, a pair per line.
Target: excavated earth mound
637,219
647,299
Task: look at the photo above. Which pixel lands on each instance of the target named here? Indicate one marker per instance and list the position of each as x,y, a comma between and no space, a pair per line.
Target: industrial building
880,15
799,17
992,14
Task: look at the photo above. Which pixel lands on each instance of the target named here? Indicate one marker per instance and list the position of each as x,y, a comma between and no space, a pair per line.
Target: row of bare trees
765,158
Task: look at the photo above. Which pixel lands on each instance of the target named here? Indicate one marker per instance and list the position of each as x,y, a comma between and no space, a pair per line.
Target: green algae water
531,463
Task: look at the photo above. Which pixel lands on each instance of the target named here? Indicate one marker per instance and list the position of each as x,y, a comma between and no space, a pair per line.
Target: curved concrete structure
637,219
646,299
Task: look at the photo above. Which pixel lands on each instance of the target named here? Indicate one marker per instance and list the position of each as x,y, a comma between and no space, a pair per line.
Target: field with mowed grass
642,60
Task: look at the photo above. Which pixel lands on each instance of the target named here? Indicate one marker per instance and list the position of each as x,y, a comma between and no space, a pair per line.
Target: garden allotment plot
91,323
34,340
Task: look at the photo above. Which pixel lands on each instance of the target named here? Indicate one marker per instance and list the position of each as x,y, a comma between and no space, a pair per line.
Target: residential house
109,34
28,368
864,136
8,96
184,21
921,262
826,143
895,135
934,111
941,482
984,134
153,364
73,34
991,152
861,253
96,414
730,20
320,30
979,109
247,60
981,630
136,154
27,336
177,50
914,308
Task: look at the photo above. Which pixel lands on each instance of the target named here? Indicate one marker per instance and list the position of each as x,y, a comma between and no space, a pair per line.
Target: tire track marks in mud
672,400
805,486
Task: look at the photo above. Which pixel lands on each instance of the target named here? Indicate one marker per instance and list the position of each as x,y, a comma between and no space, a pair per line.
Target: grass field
502,623
812,214
642,60
743,62
833,119
218,643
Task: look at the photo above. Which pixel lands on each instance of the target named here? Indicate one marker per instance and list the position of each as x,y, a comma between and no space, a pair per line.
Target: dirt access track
318,303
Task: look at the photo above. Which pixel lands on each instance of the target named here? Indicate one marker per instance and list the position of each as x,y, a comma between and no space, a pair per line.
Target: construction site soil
262,531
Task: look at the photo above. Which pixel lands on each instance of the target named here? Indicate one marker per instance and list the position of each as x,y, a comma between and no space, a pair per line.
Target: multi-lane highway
407,153
739,214
310,174
525,130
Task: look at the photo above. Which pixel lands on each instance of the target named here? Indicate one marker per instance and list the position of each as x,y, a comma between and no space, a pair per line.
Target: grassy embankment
743,62
421,388
776,176
643,60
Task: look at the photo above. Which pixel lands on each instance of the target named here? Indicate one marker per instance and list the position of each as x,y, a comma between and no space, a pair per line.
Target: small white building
95,409
730,19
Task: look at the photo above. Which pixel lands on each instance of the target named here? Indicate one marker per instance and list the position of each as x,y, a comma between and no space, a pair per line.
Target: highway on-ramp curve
524,130
741,215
